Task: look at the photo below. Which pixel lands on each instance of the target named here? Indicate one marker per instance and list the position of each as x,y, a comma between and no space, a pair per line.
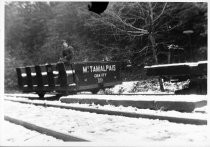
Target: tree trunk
152,40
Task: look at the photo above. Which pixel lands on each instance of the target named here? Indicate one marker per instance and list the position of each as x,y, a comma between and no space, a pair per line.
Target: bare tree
132,20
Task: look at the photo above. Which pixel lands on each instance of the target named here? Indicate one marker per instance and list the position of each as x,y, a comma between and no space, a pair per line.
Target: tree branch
129,25
160,13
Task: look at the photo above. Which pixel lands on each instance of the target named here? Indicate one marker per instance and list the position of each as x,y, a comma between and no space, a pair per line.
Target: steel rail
120,113
43,130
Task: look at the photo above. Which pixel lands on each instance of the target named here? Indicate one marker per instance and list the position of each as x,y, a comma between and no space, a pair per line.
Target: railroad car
195,72
65,79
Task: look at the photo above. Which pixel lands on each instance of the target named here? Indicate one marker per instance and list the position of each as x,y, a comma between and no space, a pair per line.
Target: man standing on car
67,53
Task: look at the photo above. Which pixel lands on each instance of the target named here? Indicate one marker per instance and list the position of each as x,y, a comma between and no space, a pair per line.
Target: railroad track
183,120
43,130
57,97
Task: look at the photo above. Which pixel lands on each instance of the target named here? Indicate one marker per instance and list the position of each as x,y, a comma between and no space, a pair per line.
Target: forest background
135,32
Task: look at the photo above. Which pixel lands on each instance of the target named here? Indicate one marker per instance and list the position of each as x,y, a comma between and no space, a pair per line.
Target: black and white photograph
107,73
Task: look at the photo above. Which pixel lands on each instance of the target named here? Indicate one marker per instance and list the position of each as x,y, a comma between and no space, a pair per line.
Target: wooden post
39,76
50,77
29,77
19,76
62,75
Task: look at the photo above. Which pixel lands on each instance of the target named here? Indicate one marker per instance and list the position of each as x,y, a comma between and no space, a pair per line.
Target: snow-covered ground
145,86
198,113
16,134
106,128
114,130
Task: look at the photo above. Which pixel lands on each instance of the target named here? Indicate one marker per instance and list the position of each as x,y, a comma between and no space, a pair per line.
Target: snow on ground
193,115
16,134
198,113
106,128
149,86
145,97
